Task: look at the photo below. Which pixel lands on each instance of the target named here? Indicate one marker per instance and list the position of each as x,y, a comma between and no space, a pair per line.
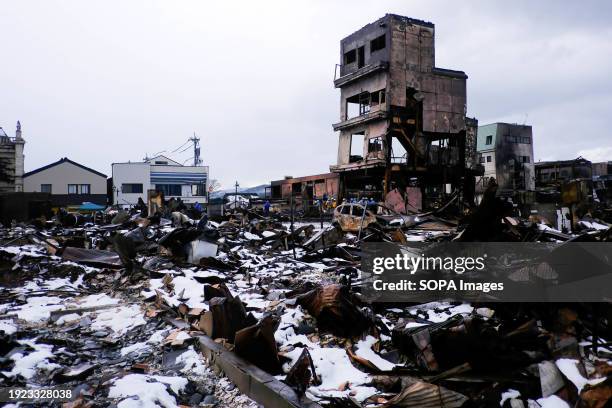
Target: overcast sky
112,81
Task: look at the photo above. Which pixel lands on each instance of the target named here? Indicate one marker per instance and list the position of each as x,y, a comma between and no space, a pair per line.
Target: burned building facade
506,152
304,191
555,173
402,119
11,161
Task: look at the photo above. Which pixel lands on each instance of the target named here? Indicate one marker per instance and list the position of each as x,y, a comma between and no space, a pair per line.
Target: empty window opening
489,139
360,57
375,145
377,98
377,44
357,141
296,188
365,102
358,105
350,57
398,152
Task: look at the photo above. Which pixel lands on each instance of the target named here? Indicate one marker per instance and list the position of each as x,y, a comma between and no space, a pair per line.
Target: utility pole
236,195
196,150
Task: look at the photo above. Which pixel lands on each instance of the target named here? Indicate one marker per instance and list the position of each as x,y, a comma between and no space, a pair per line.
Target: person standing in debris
142,207
266,208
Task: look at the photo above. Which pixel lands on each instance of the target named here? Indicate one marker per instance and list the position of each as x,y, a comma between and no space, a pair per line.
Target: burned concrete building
402,119
303,191
506,152
555,173
11,161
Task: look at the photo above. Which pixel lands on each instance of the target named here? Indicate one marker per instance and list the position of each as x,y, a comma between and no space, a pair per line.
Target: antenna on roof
525,121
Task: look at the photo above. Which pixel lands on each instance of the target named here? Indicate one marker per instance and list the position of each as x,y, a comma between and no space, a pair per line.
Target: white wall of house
149,175
63,174
130,173
489,167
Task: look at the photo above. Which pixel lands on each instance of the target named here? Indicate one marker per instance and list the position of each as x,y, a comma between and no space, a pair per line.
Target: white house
131,181
68,182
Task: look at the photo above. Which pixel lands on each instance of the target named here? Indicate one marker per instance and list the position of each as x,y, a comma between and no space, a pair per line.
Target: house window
482,159
169,189
489,140
78,188
350,56
525,159
131,188
377,44
525,139
198,189
488,159
360,57
45,188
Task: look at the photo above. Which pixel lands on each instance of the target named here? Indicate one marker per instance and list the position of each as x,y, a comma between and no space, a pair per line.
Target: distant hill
259,190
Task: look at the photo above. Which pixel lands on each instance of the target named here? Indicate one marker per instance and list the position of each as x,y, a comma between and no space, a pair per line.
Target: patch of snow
141,390
119,320
27,364
510,394
68,318
443,315
95,300
251,237
364,350
39,308
134,348
569,369
7,327
552,402
334,369
192,362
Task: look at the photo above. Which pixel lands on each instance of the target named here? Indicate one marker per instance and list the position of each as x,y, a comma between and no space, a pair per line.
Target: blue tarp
87,206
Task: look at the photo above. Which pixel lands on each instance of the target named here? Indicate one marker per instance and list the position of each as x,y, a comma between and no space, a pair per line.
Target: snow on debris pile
264,291
569,368
139,390
29,363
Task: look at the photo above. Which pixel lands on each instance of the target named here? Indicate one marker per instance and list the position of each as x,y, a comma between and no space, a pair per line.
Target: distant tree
214,186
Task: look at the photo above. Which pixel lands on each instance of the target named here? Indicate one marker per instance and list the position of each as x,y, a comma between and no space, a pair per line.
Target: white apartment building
132,180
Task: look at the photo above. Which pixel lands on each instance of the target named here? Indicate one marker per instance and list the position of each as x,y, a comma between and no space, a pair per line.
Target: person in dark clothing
266,208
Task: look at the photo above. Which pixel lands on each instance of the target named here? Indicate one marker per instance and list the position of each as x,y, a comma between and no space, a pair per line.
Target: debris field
117,309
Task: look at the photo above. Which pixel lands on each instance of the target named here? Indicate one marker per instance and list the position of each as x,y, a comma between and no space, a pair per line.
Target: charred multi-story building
11,161
402,119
